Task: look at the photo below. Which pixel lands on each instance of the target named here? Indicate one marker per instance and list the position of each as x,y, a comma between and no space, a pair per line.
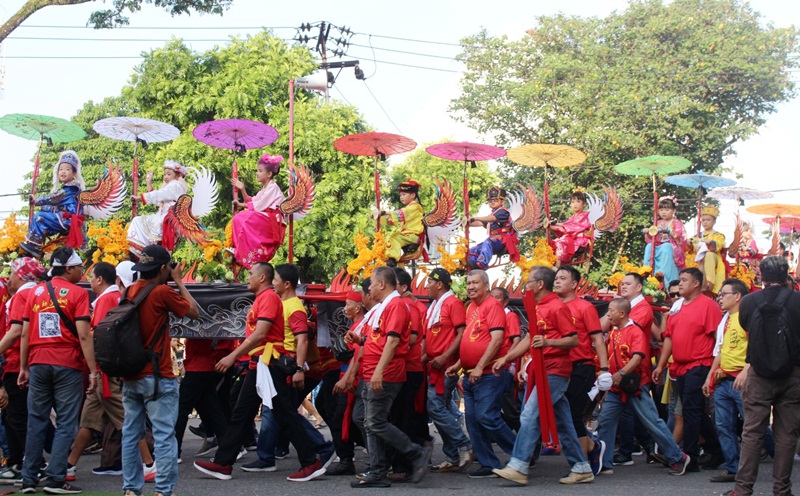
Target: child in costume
576,232
259,230
408,221
148,229
670,241
61,211
502,236
708,250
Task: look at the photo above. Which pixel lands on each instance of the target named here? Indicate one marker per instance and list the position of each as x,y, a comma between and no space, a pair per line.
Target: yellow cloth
291,306
394,247
713,265
409,218
734,345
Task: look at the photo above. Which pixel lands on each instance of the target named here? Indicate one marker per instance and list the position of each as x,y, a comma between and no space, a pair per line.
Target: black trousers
404,415
15,418
199,391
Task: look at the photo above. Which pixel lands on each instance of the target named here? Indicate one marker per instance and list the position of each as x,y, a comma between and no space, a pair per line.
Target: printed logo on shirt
63,292
39,291
49,325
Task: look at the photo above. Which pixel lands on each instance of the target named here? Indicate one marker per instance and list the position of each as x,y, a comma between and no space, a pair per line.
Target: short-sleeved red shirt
50,342
623,344
267,307
554,321
414,355
154,313
642,314
482,320
103,304
203,354
439,337
587,323
16,312
513,331
395,321
692,330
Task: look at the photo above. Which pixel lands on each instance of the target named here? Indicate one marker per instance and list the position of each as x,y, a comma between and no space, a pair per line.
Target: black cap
152,257
440,275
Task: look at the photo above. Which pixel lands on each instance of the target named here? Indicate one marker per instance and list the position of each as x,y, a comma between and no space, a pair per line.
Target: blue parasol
700,180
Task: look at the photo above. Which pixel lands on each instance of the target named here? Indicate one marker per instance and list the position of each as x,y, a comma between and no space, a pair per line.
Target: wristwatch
621,372
603,369
299,369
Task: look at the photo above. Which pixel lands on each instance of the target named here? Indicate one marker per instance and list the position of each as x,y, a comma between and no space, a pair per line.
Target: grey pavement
638,479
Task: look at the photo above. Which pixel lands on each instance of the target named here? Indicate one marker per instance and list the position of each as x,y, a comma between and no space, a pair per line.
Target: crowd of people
697,384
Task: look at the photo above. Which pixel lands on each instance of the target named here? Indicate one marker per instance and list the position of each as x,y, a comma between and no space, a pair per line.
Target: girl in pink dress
576,232
259,230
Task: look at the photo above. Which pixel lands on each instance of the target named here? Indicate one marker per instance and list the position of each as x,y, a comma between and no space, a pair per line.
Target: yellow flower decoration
456,261
743,273
368,257
111,241
542,255
11,234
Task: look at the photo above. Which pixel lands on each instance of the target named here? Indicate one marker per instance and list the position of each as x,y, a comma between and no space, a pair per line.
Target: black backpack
772,344
118,345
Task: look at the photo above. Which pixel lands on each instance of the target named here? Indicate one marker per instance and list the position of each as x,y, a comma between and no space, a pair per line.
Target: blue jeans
61,389
727,410
645,409
138,401
453,437
268,436
483,402
530,429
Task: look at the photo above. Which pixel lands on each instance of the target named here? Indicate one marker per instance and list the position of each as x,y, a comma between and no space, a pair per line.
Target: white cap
125,273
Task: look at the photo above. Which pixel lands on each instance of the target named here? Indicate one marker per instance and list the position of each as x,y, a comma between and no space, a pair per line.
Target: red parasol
468,152
138,130
789,223
376,145
238,135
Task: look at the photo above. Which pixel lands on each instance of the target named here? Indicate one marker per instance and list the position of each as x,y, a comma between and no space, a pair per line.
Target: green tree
246,79
687,77
115,17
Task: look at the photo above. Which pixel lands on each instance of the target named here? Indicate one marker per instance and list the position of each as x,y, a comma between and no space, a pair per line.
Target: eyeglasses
720,295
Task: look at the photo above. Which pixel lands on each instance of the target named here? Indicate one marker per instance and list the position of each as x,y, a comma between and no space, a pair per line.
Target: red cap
355,296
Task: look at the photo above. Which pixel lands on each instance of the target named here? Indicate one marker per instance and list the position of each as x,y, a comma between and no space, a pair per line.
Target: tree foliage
114,17
246,79
687,77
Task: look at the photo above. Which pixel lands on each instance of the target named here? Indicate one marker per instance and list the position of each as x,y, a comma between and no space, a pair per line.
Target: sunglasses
674,295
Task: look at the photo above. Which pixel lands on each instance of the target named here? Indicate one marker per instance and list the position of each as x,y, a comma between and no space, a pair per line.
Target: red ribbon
75,236
547,416
167,235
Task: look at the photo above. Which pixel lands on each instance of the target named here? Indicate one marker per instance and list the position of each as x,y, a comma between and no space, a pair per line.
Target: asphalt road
639,479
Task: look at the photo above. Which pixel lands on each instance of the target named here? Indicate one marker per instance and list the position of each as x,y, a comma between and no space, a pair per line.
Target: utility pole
339,40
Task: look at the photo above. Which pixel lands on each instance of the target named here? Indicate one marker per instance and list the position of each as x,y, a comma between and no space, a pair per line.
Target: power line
413,40
171,28
381,106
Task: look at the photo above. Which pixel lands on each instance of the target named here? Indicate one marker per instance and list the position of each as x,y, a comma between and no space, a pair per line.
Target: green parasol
653,165
44,128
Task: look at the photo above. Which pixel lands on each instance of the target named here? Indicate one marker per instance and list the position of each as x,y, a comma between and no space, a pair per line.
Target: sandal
371,483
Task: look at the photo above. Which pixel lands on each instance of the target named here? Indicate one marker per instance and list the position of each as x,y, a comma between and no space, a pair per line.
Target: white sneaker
242,452
149,472
72,471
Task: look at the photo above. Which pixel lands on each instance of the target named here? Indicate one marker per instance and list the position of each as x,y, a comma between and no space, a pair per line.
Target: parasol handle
234,178
465,194
135,178
699,208
655,223
34,178
377,187
291,238
547,204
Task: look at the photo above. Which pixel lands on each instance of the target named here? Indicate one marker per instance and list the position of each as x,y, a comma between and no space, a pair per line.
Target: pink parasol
467,152
138,130
238,135
789,223
378,145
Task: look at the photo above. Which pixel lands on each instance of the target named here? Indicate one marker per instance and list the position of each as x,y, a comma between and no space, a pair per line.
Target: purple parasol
235,134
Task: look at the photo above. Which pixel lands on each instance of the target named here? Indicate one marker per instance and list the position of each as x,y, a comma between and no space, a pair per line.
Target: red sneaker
222,472
306,473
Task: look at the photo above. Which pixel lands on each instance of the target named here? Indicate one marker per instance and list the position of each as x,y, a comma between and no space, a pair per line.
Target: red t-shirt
440,336
3,299
587,323
395,321
203,354
267,307
414,356
692,330
16,312
482,320
103,304
513,331
623,344
554,321
50,342
642,314
153,315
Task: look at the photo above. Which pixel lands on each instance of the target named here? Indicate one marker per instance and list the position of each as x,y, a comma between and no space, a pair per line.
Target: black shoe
198,431
28,489
725,476
280,454
344,467
111,470
712,462
391,262
482,473
62,488
31,249
622,460
259,465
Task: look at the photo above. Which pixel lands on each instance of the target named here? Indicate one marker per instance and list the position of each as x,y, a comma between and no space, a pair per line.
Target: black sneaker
198,431
344,467
280,454
28,489
482,473
260,465
622,460
11,474
62,488
112,470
